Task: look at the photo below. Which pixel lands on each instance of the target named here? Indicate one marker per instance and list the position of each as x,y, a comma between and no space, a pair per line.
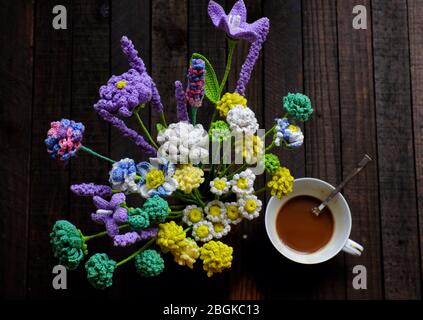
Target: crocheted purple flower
110,213
91,189
125,92
126,239
235,23
195,88
64,139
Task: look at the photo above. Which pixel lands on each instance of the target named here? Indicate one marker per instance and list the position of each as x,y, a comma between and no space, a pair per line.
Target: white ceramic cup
342,219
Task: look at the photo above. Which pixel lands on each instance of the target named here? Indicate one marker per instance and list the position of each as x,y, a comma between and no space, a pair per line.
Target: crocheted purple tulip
252,57
110,213
91,189
64,139
235,23
181,102
126,239
195,88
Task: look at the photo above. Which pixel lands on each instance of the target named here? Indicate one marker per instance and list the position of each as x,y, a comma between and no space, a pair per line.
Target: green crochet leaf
212,85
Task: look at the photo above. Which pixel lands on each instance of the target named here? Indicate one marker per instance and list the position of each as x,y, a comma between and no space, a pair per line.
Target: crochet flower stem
92,152
261,190
269,131
226,170
231,48
163,119
144,129
100,234
132,256
241,168
272,145
198,196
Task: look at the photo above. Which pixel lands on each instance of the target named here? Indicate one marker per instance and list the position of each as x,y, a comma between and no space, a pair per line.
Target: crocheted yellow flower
187,252
169,236
281,183
228,101
188,177
252,148
216,256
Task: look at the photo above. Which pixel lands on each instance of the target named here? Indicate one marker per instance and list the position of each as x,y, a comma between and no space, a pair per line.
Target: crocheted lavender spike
91,189
123,240
127,132
181,102
131,53
252,57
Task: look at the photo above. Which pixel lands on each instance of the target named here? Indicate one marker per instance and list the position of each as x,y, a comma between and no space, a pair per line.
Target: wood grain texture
415,25
395,151
323,132
283,73
358,125
49,178
90,70
246,282
16,72
135,24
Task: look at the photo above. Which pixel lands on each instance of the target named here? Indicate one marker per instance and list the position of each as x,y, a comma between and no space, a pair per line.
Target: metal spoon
361,165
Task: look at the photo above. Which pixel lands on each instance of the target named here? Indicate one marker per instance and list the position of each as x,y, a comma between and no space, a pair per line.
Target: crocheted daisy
228,101
156,178
123,175
203,231
219,186
215,211
233,215
242,183
242,120
184,143
249,207
192,214
221,229
288,134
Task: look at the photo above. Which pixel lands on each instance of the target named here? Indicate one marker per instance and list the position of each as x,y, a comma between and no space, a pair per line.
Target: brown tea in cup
300,229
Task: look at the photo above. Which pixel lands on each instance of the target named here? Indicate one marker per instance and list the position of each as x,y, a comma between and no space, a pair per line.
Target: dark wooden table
366,87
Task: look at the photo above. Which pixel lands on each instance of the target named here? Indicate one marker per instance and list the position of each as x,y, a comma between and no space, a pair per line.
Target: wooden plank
395,151
415,25
130,18
169,51
16,72
248,255
91,59
283,73
359,137
49,178
323,145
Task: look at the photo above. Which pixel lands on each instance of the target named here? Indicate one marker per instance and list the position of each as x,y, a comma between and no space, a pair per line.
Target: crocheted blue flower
149,263
64,139
122,176
100,270
288,133
68,244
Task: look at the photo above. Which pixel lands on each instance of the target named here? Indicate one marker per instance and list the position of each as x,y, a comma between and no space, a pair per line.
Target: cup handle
353,248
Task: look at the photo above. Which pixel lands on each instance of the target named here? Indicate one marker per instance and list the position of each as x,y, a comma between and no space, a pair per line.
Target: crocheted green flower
157,209
68,244
271,163
219,131
298,106
138,218
100,270
149,263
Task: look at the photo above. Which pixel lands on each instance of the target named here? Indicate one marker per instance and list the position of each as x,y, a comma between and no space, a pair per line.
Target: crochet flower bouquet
192,197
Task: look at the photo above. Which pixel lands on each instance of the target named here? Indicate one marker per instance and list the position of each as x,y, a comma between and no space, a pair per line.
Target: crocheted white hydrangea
184,143
242,120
